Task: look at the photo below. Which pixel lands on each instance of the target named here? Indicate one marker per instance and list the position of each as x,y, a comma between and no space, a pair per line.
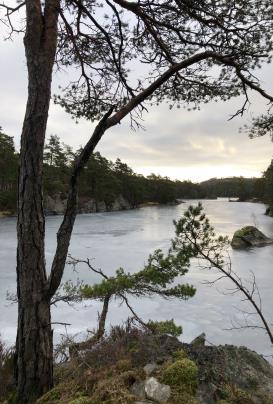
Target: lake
125,239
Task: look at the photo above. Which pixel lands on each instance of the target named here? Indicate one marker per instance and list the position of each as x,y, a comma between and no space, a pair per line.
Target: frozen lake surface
125,239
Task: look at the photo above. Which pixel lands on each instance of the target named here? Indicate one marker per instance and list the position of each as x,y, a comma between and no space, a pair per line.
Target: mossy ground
105,374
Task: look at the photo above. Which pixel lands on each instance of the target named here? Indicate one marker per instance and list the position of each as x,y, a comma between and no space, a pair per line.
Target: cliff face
55,205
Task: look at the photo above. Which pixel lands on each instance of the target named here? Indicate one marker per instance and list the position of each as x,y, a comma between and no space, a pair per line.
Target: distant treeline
105,180
234,187
102,179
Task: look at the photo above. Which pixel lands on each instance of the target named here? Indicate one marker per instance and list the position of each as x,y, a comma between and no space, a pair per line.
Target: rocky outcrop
120,203
158,392
151,389
234,374
162,369
55,205
199,341
150,368
249,236
269,211
229,373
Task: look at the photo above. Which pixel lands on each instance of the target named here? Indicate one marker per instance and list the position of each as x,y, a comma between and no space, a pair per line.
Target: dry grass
7,383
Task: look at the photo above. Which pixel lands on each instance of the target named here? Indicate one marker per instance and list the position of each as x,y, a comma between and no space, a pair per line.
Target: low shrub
165,327
182,375
180,354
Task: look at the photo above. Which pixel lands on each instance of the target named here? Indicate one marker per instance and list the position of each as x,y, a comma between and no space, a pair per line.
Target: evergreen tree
243,193
268,188
58,158
8,172
99,181
259,188
54,153
160,276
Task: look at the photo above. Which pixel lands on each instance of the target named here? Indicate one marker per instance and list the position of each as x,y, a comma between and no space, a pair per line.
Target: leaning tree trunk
75,348
34,357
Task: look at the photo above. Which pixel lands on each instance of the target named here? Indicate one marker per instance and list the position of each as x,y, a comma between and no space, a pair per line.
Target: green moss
182,398
180,354
223,402
253,382
244,231
240,233
223,392
115,389
81,400
52,396
182,375
232,394
242,397
61,393
124,364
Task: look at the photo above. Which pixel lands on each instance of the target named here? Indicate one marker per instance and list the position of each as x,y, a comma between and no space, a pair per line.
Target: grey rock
241,367
101,206
55,205
121,203
249,236
269,211
138,389
88,206
200,340
157,391
150,368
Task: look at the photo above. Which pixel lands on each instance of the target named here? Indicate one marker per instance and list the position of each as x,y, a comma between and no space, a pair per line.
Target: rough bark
34,363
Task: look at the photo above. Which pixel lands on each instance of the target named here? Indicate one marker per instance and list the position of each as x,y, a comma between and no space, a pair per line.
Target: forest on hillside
104,180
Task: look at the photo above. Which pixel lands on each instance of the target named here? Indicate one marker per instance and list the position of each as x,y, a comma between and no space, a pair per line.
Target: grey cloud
202,139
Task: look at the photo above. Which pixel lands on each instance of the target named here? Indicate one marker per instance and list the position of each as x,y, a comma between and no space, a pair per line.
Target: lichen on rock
156,391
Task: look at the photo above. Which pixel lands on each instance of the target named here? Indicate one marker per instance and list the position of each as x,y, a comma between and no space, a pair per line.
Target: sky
182,145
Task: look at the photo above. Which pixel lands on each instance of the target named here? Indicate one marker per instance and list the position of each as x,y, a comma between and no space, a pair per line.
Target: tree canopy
209,52
191,52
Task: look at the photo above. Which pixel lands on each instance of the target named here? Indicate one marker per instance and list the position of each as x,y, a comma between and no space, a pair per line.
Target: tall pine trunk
34,366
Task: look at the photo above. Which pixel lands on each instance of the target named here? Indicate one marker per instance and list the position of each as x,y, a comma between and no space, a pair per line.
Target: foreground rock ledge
115,371
249,236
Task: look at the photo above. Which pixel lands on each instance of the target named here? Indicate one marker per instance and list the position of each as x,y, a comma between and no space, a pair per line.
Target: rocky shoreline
55,205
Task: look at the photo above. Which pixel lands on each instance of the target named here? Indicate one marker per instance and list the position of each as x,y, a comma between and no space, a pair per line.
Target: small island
249,236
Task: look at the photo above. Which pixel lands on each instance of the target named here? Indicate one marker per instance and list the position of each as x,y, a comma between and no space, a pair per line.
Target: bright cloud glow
196,174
